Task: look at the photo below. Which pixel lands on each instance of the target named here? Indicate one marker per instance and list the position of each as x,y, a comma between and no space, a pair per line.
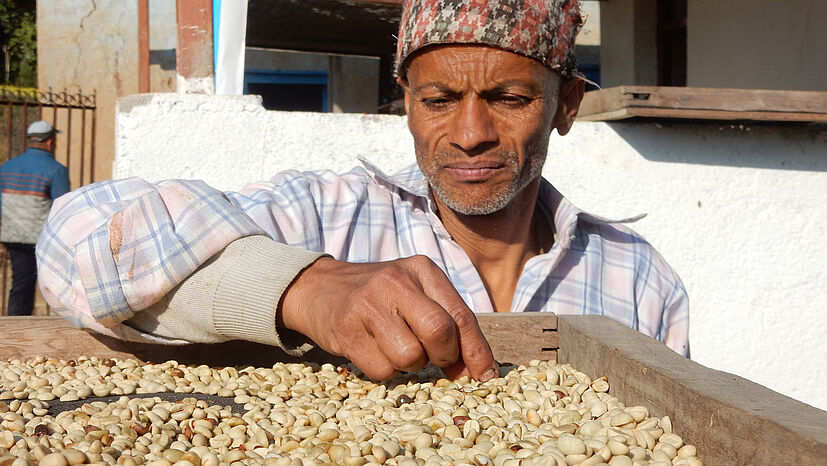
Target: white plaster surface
739,212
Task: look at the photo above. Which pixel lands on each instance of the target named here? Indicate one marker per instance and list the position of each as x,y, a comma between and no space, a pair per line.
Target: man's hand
388,317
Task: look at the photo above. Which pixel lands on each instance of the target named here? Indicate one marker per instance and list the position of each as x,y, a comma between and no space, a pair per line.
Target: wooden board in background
731,420
617,103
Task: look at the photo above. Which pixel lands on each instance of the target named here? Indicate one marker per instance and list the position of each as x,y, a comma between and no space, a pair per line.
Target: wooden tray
731,420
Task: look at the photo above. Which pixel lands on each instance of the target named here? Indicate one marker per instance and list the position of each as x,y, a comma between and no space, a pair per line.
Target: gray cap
40,131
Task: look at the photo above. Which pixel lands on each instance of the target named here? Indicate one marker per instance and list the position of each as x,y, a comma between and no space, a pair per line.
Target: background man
28,183
385,270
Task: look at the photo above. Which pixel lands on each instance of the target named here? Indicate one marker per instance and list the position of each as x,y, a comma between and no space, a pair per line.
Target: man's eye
436,102
512,99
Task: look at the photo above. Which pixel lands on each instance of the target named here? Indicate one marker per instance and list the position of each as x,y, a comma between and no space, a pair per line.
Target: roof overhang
358,27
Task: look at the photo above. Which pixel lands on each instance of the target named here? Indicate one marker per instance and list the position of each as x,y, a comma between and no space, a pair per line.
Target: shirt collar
566,215
409,179
41,151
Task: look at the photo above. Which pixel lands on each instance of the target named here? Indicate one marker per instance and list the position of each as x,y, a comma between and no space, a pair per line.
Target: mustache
448,156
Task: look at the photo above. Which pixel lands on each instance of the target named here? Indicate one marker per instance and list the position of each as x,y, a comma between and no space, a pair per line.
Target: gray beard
499,200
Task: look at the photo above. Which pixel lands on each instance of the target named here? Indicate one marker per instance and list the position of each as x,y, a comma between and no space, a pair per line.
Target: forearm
115,248
234,296
133,251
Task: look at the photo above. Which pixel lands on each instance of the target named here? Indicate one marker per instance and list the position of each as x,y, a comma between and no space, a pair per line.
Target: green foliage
18,40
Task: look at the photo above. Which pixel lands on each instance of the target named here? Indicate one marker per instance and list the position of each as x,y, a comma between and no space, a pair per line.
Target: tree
18,42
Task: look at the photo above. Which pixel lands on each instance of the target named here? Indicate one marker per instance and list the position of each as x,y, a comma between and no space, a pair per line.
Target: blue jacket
28,185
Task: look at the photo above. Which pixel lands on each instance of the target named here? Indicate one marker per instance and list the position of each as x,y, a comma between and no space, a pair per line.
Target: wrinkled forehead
478,65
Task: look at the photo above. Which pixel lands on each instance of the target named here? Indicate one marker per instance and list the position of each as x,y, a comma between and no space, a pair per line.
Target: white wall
738,211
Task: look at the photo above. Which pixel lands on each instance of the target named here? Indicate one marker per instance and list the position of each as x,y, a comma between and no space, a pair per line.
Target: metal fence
74,113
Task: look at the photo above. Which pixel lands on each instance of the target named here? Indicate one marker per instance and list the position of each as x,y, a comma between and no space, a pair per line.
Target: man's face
481,118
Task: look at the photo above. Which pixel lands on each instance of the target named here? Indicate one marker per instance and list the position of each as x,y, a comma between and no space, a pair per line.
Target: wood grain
730,419
515,338
518,338
622,102
194,53
28,337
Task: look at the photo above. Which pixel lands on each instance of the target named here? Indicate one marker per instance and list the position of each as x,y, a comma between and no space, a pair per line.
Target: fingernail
488,375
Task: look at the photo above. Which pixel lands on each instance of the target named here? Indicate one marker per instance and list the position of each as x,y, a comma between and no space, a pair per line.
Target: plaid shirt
116,247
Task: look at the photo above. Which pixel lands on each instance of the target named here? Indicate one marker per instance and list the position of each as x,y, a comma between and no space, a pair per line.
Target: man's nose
472,127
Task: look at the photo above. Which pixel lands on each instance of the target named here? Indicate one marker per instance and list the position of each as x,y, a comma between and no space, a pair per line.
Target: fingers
371,360
434,330
473,348
387,317
396,341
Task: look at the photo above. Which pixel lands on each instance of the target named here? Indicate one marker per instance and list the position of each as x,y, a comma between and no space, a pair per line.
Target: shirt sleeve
115,248
233,296
663,306
675,323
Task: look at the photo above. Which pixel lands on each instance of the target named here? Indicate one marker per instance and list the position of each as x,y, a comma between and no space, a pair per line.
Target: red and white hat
540,29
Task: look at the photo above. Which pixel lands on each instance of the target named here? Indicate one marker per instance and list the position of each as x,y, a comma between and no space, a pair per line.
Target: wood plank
520,337
704,103
642,112
736,100
143,46
601,101
29,337
515,338
730,419
194,54
618,114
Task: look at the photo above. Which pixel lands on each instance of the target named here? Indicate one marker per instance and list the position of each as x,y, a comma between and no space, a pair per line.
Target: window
305,91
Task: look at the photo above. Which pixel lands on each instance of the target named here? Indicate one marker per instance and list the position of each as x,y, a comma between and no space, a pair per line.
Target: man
28,183
384,270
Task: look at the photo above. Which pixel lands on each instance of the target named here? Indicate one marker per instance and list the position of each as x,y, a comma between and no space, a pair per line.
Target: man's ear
571,94
403,83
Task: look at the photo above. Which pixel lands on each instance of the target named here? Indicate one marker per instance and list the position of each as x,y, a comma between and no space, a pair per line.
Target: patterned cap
540,29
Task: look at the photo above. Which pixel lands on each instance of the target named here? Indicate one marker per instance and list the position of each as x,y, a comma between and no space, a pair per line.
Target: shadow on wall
768,146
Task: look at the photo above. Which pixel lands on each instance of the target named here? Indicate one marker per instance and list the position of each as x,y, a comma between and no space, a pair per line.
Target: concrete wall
93,45
628,52
746,44
758,44
737,210
590,32
353,80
